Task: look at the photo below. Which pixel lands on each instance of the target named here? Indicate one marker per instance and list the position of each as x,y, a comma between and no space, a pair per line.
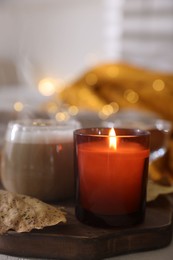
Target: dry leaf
23,213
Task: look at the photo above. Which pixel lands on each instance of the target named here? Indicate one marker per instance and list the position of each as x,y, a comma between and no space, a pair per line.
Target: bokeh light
18,106
131,96
158,85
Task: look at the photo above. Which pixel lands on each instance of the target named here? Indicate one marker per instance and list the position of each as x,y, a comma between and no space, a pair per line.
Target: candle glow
112,139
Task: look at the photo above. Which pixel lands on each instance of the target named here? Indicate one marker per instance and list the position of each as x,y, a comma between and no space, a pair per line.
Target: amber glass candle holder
111,175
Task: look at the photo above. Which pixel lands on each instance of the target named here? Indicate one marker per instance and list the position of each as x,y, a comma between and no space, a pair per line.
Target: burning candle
111,172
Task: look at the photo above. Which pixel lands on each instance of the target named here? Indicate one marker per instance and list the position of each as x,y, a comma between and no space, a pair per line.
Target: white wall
62,38
57,38
148,33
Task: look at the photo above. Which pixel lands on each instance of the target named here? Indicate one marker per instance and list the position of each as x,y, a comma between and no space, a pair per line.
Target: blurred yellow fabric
125,84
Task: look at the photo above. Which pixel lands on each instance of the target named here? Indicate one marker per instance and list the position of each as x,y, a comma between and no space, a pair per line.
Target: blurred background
86,55
99,61
61,39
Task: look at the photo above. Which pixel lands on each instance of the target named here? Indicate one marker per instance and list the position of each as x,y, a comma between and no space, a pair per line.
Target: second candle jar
37,158
111,175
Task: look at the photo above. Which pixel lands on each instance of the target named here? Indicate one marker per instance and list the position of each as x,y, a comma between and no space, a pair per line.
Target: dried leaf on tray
23,213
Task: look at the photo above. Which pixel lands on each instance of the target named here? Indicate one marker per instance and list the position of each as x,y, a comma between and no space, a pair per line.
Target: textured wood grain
77,241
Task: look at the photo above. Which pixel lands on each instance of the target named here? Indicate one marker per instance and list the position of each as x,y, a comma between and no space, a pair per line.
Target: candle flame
112,139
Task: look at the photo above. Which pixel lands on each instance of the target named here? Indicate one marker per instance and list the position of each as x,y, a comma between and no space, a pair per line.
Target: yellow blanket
127,85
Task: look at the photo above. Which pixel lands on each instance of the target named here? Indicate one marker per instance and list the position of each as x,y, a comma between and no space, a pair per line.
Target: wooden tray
77,241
